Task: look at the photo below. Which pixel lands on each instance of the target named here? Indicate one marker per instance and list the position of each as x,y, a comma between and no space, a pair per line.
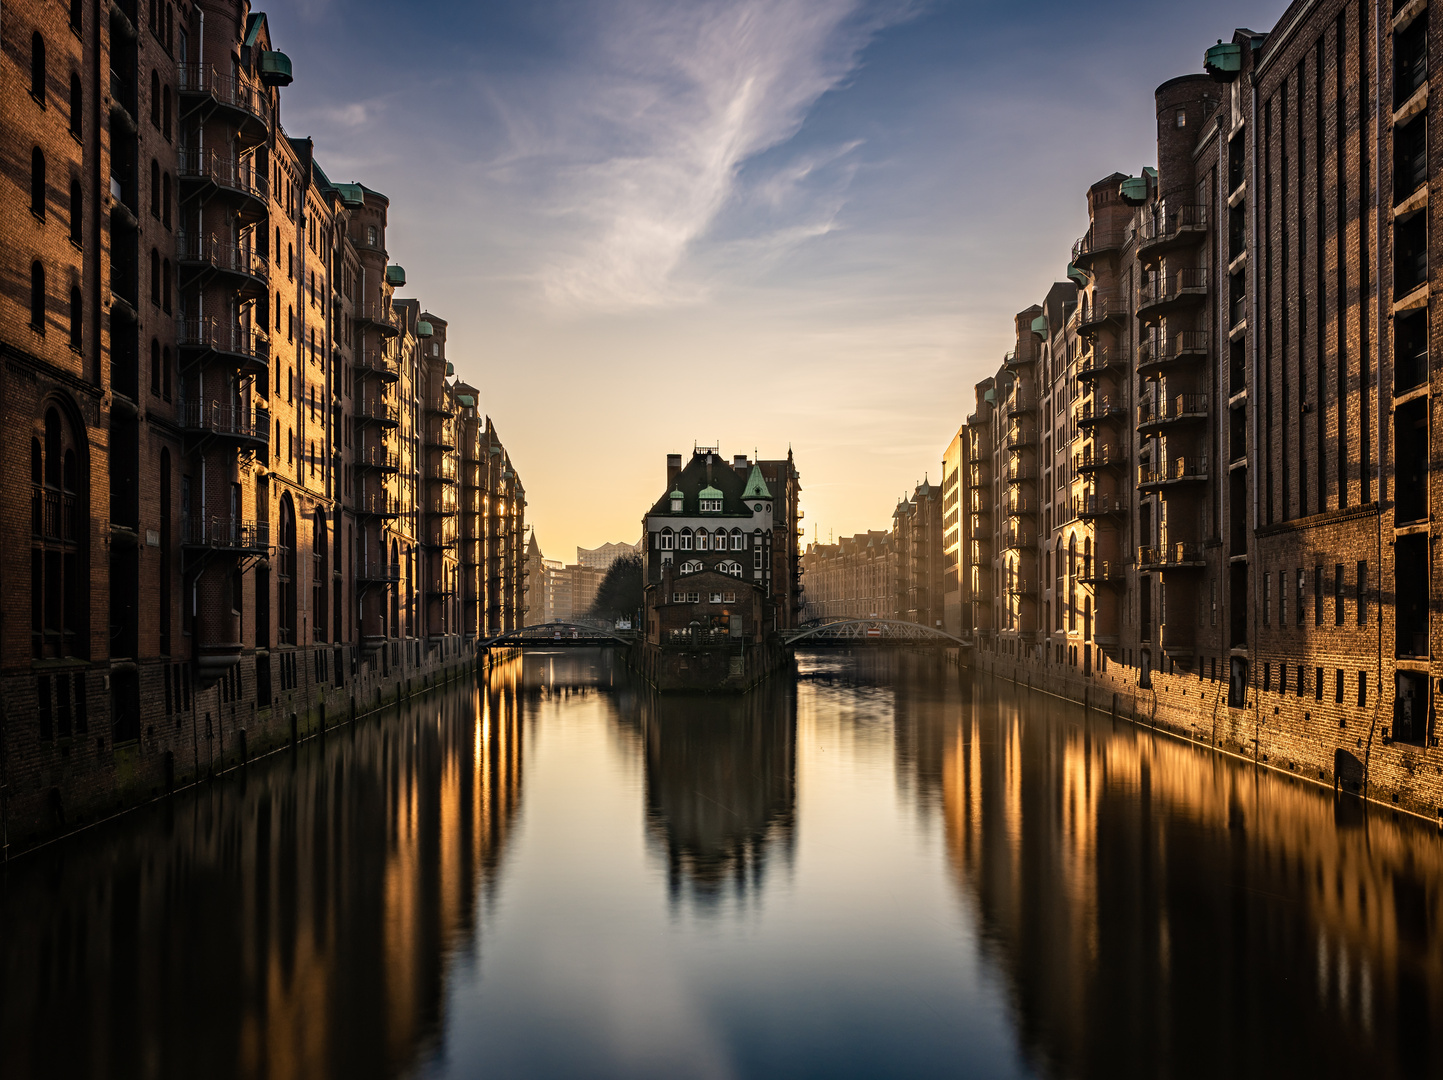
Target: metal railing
1191,280
378,410
228,90
384,505
1183,468
1092,504
53,515
1020,470
1187,343
378,571
226,534
1018,538
238,421
446,470
1177,407
1098,360
1102,571
1019,436
1101,308
1017,502
1095,240
1179,554
1098,409
1172,220
373,311
209,334
231,258
376,457
375,361
1021,401
697,636
1020,586
229,173
1097,457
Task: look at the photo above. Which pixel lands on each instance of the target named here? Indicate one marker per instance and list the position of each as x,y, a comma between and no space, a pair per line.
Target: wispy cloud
681,96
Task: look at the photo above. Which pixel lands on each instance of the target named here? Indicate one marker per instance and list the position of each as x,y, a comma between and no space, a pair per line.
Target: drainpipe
1253,389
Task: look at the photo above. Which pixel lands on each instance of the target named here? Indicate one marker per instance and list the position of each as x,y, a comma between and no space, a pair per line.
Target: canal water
873,867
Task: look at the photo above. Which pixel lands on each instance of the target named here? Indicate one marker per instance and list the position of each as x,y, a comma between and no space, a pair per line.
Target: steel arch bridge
563,635
871,632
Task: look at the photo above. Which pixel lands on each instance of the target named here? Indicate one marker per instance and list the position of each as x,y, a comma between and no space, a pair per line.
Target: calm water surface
877,868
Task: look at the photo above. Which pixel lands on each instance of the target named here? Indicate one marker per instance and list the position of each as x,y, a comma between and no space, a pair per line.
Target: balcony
1096,457
442,507
377,316
383,506
1180,556
203,174
1016,358
1179,409
1156,356
247,349
1018,472
375,362
1019,504
440,435
979,503
1090,506
977,477
442,406
247,425
1166,293
1174,226
378,458
248,106
1091,317
444,472
232,535
53,515
1020,586
122,100
1102,572
377,573
248,269
1093,243
377,411
1020,402
1183,470
1019,539
1099,361
1020,437
1097,411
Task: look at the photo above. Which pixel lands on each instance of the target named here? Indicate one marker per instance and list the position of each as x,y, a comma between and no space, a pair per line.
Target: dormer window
711,506
676,498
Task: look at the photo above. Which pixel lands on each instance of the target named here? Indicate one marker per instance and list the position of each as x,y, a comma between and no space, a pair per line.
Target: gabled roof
706,471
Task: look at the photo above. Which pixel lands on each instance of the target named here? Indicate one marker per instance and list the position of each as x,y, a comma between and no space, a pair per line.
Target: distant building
917,534
601,558
855,578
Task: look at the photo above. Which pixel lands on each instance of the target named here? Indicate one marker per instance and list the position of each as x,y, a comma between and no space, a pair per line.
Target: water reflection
721,788
296,920
1164,912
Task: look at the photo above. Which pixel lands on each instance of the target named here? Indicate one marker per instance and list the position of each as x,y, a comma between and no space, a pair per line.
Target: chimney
673,469
739,463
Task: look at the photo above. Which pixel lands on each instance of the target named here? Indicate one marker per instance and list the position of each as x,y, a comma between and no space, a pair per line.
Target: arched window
319,553
58,591
668,539
77,104
165,373
77,316
154,276
165,112
77,211
37,67
165,200
154,11
1072,583
290,260
684,540
738,543
37,296
154,188
154,98
701,539
37,183
154,365
286,571
165,283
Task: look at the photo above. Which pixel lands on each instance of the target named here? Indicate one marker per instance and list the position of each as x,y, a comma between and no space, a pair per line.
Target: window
667,540
77,105
77,314
371,235
1268,675
1300,596
37,68
693,598
701,539
165,112
684,541
1362,592
1338,595
155,189
165,200
729,598
154,366
678,598
37,183
76,7
77,212
37,297
756,558
154,276
739,542
1267,599
154,99
714,598
1338,689
1318,684
57,589
1182,118
165,284
1318,595
1362,689
1282,598
1303,679
711,506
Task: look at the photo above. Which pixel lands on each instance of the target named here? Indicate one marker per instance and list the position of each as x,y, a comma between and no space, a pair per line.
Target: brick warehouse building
254,497
1196,490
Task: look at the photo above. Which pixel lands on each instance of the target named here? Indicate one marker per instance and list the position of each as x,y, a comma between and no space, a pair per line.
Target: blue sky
754,222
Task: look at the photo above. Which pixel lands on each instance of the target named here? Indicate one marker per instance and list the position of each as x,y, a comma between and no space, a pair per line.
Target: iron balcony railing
1190,343
226,534
979,503
378,571
374,313
1021,401
1018,538
1019,471
227,90
1096,410
1019,436
235,421
1091,504
376,457
1179,469
229,258
1097,456
377,362
53,515
1094,241
1017,502
696,637
1020,586
1170,409
1101,308
1180,554
378,410
236,340
444,470
233,174
1099,360
1189,281
1172,221
1102,572
977,477
377,505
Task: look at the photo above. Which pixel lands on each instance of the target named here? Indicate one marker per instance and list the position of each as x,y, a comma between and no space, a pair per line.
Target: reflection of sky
833,206
854,959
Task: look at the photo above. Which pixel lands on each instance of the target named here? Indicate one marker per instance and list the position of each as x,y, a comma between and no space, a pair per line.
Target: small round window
758,508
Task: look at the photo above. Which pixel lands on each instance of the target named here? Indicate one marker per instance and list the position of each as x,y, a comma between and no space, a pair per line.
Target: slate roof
699,474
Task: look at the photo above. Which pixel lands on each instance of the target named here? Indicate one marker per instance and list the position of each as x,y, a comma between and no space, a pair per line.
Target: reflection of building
255,490
320,901
721,787
1126,882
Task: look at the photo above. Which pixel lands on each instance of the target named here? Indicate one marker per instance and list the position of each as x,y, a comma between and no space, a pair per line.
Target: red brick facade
251,495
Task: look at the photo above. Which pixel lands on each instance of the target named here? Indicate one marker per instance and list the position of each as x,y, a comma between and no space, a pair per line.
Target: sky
754,224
